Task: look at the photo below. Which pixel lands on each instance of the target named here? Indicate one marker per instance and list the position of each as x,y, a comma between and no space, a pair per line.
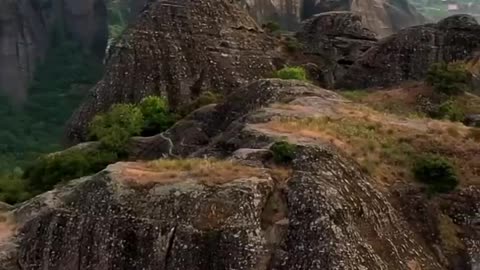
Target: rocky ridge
321,213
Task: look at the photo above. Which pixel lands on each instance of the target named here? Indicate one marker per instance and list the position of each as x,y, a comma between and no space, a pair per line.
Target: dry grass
448,233
404,100
7,227
385,145
206,171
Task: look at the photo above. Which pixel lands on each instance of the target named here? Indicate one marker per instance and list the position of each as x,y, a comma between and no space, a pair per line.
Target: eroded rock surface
179,49
384,17
408,54
26,28
323,213
339,37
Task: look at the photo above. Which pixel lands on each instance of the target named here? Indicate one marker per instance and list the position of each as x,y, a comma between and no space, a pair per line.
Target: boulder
409,54
338,37
26,27
179,49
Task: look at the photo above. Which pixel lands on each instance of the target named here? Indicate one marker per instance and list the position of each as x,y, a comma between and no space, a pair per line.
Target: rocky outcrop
322,212
338,37
408,54
384,17
26,28
179,49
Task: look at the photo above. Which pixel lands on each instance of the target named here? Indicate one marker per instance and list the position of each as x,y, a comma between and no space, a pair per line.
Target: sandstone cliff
26,27
179,49
408,54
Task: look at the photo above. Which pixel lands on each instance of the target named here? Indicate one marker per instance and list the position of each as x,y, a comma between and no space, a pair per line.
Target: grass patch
206,171
385,146
283,152
291,73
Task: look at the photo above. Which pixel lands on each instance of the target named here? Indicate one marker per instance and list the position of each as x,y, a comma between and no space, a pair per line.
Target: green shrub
156,115
283,152
450,79
436,172
293,45
114,128
205,98
271,26
291,73
13,188
448,110
48,171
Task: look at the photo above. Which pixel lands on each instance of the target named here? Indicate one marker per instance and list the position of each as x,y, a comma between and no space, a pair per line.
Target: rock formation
408,54
26,27
327,215
337,37
179,49
384,17
322,213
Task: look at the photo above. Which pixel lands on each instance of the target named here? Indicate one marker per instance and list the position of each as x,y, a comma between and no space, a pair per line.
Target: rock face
382,16
408,54
339,37
26,27
179,49
322,213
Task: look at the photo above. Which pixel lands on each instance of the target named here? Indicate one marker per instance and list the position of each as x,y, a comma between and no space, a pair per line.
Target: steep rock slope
179,49
408,54
26,29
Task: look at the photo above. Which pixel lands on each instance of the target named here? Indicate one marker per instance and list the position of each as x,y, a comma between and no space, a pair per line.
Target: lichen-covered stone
338,37
409,54
179,49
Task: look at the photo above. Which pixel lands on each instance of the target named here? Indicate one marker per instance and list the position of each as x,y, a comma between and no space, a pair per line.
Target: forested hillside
60,83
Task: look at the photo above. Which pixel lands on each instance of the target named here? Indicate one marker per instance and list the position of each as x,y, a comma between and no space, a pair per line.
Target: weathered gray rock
26,27
159,224
408,54
472,120
339,38
383,17
179,49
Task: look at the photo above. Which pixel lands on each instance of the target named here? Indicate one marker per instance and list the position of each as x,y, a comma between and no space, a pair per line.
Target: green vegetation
118,17
450,79
272,26
56,168
283,152
114,128
291,73
436,172
205,98
36,127
156,115
293,45
449,110
13,188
